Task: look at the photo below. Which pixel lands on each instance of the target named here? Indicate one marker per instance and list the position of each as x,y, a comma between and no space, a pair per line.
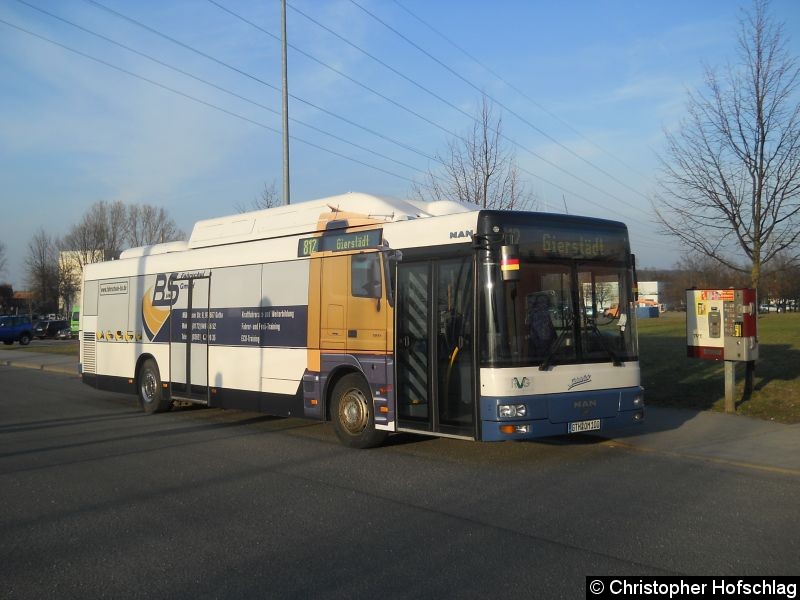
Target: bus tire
151,394
353,413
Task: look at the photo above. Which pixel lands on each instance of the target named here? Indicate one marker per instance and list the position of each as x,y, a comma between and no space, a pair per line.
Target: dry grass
672,379
64,347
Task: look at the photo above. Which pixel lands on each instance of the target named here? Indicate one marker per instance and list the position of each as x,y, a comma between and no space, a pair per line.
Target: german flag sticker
509,264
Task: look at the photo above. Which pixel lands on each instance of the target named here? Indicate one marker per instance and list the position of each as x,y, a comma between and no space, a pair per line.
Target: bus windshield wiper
592,326
555,346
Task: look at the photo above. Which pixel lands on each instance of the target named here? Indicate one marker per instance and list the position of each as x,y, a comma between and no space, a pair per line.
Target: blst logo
165,290
157,304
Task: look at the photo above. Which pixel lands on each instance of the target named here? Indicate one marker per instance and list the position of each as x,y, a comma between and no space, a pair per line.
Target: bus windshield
558,313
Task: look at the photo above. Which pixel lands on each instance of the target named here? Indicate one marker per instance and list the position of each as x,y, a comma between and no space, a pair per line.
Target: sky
585,90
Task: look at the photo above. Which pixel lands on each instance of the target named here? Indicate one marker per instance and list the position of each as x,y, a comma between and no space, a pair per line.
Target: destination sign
585,246
562,242
340,242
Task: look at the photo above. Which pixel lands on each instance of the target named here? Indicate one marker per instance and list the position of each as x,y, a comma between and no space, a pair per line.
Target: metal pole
730,386
286,195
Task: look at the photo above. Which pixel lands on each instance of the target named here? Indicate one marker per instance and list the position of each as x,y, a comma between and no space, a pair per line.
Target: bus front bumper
561,414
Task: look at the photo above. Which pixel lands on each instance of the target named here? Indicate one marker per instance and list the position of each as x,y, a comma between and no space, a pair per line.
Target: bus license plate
580,426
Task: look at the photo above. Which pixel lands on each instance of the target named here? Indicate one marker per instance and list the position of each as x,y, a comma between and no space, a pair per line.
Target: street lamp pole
286,195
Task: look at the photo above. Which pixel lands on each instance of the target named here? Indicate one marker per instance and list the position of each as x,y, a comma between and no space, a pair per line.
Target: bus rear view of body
379,315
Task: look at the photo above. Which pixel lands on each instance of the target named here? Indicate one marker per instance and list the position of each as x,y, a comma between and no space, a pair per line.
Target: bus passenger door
412,316
434,354
189,341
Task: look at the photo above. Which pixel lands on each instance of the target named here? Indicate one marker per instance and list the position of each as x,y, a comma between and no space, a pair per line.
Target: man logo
157,302
517,383
584,404
467,233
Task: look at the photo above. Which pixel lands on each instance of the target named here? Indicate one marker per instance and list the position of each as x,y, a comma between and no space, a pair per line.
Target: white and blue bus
379,315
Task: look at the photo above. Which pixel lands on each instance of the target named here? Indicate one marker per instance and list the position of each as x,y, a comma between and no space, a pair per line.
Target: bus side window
365,275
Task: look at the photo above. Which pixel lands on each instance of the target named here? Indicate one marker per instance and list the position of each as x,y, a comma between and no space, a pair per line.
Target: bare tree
731,172
2,257
107,228
701,271
100,234
42,271
147,224
781,283
478,168
6,298
268,198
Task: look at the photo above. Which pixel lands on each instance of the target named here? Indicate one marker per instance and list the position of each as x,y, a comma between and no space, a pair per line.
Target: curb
52,369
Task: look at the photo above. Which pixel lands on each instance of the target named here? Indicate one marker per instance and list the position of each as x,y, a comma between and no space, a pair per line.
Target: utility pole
286,195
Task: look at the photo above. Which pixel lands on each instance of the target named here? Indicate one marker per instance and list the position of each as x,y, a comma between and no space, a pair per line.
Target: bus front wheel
151,394
353,413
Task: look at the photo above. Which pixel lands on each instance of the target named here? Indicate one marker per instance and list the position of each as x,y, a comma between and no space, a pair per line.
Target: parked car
40,328
64,333
17,328
75,320
49,329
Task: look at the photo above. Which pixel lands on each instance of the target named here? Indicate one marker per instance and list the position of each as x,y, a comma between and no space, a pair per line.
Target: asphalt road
99,500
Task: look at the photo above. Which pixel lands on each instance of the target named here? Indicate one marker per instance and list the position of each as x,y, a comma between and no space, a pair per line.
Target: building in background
70,274
651,295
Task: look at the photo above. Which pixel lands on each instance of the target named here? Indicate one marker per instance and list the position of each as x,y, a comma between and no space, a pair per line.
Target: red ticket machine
722,324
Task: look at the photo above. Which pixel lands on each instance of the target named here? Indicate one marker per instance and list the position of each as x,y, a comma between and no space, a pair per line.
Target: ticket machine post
723,325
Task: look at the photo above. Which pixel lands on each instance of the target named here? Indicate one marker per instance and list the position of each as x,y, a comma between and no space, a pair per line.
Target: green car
75,321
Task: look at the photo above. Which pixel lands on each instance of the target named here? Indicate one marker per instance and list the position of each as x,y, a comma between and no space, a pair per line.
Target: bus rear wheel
353,413
151,394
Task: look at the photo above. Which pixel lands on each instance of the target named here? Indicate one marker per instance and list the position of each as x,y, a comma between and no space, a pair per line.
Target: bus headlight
509,411
638,400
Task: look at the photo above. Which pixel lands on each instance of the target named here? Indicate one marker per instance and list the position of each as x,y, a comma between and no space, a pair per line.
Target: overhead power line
250,101
425,119
506,108
251,76
448,103
332,68
261,81
257,79
215,86
513,87
267,84
200,101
